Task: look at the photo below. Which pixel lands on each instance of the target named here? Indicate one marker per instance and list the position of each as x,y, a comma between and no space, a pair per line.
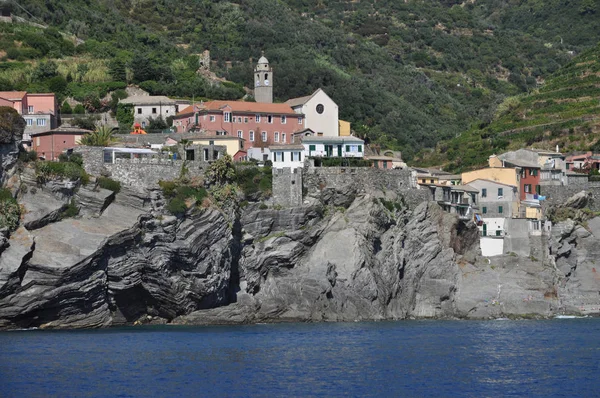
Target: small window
30,122
41,122
568,165
240,134
227,117
257,118
251,133
484,210
500,209
431,181
312,148
270,119
154,111
500,192
245,120
498,232
264,136
30,109
484,192
538,189
300,120
283,119
239,119
211,142
212,118
276,136
139,111
527,188
320,109
360,148
283,137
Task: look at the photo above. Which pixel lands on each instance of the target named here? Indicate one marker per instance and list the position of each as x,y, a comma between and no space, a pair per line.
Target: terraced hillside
564,112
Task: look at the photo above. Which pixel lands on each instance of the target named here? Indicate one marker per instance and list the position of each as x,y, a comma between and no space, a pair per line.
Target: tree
156,125
102,136
125,116
221,172
79,109
66,109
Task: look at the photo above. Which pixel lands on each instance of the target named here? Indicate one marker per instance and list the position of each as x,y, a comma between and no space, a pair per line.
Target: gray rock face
123,260
11,134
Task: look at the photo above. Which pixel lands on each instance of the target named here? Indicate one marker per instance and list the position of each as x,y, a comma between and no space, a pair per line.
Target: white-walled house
287,156
333,147
492,236
321,113
150,106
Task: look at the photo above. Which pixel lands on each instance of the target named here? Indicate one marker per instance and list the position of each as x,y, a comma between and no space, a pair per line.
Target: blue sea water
548,358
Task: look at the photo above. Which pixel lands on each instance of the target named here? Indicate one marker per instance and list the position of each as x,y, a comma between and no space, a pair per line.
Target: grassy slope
564,112
405,73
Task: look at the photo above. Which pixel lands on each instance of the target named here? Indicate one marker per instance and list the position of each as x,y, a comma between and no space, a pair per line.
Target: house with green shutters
333,147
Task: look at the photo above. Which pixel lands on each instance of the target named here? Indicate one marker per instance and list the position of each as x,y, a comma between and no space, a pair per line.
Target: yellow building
505,175
343,128
233,144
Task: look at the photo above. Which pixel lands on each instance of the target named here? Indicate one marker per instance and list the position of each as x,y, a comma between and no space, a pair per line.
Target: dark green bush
177,206
28,156
69,170
109,183
71,211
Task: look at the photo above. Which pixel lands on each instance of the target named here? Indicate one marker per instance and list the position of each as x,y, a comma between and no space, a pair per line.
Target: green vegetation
28,156
255,182
407,74
10,212
564,112
341,162
109,183
64,169
180,196
102,136
71,210
391,206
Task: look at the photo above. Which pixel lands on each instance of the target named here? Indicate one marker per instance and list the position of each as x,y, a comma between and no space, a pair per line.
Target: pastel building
336,147
287,156
50,144
320,114
38,109
146,107
259,124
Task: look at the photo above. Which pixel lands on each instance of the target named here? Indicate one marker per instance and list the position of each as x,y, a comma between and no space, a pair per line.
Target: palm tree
102,136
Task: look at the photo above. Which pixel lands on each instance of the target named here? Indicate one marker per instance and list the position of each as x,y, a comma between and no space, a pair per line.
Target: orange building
51,143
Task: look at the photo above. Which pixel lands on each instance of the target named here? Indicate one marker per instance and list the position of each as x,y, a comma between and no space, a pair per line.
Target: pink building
18,99
38,110
51,143
259,124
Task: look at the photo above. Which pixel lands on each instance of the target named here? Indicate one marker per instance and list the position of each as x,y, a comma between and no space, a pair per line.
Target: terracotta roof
13,95
241,106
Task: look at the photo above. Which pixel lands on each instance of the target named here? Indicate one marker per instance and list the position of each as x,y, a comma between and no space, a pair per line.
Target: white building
320,113
150,106
333,147
287,156
492,236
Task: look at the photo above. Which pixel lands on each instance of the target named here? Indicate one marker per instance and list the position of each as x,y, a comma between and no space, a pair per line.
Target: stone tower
263,81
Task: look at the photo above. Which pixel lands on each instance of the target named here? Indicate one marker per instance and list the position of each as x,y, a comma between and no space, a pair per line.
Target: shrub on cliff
109,183
10,212
178,195
221,172
69,170
12,125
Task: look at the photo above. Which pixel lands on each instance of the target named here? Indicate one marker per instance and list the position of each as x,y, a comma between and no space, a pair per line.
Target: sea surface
526,358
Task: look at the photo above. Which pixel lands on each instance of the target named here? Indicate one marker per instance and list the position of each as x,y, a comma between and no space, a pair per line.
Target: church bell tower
263,81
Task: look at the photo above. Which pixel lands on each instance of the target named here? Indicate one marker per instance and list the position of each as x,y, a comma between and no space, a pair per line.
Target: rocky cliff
124,260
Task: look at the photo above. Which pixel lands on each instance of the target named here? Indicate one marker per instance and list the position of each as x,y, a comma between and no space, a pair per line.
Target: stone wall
558,195
363,179
137,173
287,187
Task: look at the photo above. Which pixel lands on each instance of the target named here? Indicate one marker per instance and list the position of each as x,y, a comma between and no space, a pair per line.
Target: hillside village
506,200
